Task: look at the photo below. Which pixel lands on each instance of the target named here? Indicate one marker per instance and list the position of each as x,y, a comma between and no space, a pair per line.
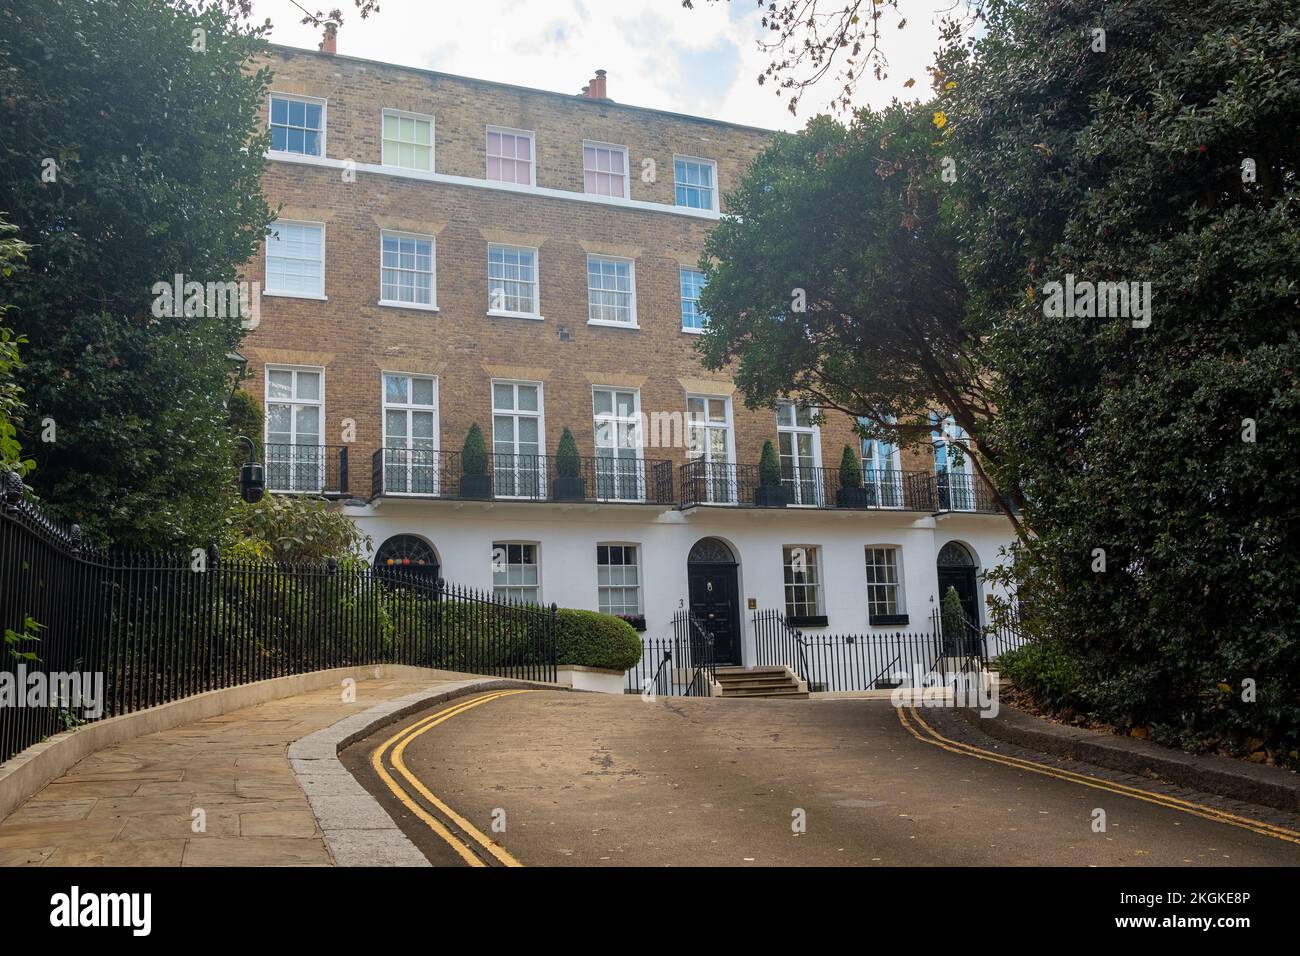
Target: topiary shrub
592,639
850,469
473,455
567,464
769,467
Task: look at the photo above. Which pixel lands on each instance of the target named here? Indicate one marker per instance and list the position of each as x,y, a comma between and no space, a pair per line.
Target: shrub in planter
851,494
592,639
770,492
568,484
475,482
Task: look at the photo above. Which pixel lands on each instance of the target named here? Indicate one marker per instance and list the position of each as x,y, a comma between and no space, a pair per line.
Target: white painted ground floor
834,571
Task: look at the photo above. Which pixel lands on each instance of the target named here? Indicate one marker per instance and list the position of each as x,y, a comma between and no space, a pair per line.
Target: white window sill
388,303
290,154
295,295
393,168
693,331
502,314
615,325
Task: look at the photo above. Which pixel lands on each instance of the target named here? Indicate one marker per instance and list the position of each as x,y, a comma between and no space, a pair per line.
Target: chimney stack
331,42
595,90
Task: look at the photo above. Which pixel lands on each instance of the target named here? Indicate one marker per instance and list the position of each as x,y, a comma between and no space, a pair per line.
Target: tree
1150,143
12,253
129,153
806,39
836,280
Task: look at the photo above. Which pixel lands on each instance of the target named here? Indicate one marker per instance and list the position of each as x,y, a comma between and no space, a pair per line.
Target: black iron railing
116,633
683,665
963,491
878,661
723,483
306,469
439,474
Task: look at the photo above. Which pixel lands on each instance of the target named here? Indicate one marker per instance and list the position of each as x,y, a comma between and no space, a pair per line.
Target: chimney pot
330,44
597,88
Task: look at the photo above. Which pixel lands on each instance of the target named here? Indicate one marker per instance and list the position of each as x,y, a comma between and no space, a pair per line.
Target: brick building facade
452,252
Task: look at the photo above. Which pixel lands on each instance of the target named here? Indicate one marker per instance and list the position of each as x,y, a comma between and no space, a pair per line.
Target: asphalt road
554,778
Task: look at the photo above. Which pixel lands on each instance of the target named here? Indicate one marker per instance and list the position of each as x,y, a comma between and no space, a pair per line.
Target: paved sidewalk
133,804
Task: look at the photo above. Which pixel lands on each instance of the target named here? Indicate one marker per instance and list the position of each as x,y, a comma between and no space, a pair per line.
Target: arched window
407,555
710,551
955,555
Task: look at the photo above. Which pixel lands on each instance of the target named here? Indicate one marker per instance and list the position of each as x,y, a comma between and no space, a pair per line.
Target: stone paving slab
132,804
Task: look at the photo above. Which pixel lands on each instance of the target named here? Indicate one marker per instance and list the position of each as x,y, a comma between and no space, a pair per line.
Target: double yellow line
929,735
398,744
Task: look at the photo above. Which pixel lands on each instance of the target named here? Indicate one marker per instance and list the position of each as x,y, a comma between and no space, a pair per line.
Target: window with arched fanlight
955,555
710,551
408,555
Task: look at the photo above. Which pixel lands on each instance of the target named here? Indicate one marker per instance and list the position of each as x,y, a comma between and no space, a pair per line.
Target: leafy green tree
292,528
12,253
1156,451
837,281
129,153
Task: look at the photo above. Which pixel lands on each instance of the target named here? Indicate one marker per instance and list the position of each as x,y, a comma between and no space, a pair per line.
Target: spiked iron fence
110,633
680,666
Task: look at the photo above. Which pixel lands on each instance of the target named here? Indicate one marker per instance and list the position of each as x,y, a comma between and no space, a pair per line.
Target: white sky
703,61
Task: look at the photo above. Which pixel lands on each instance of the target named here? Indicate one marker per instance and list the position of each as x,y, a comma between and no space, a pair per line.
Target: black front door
715,602
963,579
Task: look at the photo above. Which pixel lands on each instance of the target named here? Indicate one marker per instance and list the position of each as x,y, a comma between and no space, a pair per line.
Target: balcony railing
306,469
958,491
723,483
425,473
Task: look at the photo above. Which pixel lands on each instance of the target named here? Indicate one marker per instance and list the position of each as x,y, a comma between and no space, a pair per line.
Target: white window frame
613,148
900,602
681,271
606,323
410,406
541,471
620,480
536,313
324,122
945,434
812,562
536,563
532,163
806,490
707,162
293,460
724,489
601,605
266,286
419,117
433,272
888,494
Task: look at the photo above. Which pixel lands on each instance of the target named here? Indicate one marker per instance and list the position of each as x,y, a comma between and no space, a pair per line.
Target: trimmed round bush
592,639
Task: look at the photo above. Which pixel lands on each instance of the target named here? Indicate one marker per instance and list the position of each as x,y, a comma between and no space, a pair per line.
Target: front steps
778,682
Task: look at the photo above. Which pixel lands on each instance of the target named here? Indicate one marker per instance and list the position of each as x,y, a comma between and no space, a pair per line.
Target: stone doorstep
358,830
1212,773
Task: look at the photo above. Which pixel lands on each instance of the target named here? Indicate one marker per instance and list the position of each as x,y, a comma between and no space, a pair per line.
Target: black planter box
771,496
569,489
850,497
808,620
476,486
636,620
888,620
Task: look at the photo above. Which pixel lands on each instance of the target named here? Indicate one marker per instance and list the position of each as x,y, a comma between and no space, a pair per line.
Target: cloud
703,61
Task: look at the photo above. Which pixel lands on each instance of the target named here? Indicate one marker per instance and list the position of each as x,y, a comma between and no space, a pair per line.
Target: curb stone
358,830
1253,783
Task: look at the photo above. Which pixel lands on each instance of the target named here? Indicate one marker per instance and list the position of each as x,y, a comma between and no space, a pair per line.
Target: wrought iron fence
854,662
438,474
680,666
122,632
309,469
724,483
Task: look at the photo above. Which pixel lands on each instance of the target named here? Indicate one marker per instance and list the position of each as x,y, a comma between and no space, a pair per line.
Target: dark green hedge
592,639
